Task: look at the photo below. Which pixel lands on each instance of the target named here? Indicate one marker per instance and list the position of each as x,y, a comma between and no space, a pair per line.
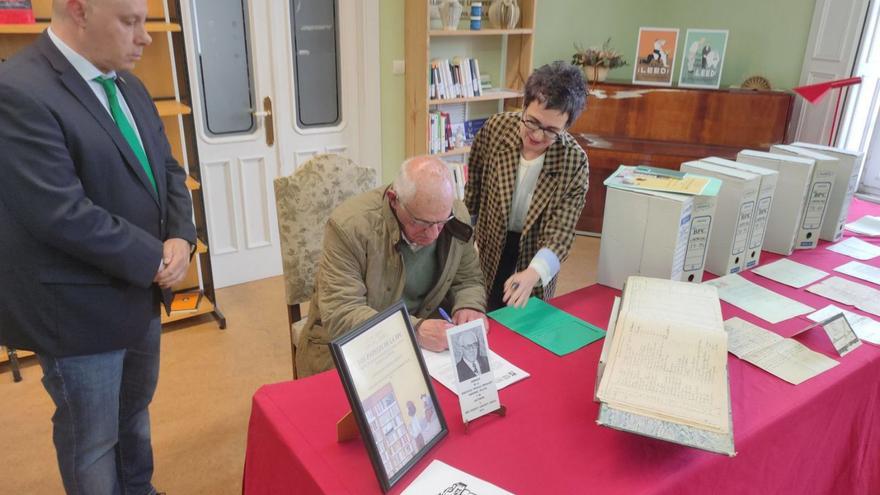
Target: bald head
425,178
111,34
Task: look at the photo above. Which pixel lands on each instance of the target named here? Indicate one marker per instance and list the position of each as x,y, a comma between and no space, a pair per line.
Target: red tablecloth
822,436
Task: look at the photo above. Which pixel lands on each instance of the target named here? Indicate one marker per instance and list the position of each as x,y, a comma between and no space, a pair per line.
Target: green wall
766,38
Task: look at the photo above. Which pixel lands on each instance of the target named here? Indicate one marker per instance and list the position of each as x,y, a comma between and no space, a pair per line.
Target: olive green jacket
361,273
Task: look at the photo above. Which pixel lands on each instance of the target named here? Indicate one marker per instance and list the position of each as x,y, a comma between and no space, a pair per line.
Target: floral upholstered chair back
304,201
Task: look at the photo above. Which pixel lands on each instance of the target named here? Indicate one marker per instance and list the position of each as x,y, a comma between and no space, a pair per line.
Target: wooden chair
304,202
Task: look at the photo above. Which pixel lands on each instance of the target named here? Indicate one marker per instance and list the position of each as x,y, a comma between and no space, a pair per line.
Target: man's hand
432,335
175,263
519,286
465,315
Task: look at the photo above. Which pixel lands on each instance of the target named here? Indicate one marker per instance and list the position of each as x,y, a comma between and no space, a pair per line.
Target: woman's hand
519,286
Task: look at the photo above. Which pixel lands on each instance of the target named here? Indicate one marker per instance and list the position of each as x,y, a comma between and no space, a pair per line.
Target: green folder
547,326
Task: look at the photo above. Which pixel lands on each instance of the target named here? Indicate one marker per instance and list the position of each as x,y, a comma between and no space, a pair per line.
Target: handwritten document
790,273
861,271
785,358
848,292
856,248
865,328
866,225
668,356
761,302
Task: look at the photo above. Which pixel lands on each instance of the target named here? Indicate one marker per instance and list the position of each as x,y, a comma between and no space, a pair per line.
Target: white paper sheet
866,328
476,389
441,478
850,293
790,273
761,302
440,366
785,358
861,271
866,225
856,248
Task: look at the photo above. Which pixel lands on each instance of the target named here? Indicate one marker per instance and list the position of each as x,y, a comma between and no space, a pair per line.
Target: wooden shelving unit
513,48
163,69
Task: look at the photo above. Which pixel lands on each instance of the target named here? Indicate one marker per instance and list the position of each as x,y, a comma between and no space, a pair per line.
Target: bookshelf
163,69
505,54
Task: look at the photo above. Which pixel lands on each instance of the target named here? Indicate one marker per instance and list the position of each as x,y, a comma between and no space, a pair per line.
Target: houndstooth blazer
556,202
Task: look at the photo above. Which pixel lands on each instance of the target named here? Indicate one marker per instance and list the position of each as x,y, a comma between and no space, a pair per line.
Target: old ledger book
665,366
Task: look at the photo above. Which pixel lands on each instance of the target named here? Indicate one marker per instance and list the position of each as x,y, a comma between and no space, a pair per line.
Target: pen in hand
445,315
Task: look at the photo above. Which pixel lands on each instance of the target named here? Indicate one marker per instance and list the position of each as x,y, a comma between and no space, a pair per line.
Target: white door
830,55
274,83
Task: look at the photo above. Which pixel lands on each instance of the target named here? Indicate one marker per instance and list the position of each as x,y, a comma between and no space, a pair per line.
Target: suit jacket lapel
82,92
548,181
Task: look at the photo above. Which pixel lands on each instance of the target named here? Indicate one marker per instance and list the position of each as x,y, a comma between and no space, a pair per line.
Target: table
822,436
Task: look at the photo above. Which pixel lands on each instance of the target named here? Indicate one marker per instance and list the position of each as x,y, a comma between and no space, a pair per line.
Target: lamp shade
814,92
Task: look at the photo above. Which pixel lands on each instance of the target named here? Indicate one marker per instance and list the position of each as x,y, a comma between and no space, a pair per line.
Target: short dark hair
559,86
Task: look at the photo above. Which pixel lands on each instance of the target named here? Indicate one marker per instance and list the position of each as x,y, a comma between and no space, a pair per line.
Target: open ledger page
668,357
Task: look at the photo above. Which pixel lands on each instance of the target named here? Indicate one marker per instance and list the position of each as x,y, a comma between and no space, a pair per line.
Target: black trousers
506,268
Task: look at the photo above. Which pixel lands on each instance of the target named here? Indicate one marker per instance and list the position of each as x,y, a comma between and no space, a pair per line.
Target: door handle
268,120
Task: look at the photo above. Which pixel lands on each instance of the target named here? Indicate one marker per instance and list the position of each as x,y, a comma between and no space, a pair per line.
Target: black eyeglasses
547,133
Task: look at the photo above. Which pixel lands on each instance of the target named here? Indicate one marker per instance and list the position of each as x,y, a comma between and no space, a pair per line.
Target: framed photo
390,392
655,56
703,58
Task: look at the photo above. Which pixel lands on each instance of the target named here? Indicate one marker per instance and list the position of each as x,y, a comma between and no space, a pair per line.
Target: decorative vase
504,14
595,73
450,14
434,15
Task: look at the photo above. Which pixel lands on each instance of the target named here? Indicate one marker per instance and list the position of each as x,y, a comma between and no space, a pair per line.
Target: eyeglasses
475,345
424,224
547,133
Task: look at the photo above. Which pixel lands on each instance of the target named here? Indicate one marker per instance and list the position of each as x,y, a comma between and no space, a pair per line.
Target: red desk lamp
814,92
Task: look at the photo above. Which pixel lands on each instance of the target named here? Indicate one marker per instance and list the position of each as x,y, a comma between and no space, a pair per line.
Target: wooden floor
201,409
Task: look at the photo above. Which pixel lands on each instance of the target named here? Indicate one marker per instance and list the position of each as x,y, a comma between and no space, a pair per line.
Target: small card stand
839,331
501,411
346,428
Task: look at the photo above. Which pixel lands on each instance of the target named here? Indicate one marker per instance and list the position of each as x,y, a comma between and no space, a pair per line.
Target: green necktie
125,127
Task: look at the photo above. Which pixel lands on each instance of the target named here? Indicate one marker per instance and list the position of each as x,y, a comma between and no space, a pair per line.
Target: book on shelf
16,12
186,302
458,78
471,127
663,368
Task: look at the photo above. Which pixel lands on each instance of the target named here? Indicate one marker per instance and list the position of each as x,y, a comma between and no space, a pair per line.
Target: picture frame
703,57
656,51
390,392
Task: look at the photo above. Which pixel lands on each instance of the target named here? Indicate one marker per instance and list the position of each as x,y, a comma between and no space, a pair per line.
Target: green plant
601,57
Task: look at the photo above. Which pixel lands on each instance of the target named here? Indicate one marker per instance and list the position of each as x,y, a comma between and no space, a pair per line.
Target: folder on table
792,186
733,218
821,185
762,209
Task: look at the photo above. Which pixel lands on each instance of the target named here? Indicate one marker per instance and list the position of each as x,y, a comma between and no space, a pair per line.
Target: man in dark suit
472,362
96,228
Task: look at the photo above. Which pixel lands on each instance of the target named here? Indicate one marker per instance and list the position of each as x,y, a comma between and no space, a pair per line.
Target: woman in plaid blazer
527,183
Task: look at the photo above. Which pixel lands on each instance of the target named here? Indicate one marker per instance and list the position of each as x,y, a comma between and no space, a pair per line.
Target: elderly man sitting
410,240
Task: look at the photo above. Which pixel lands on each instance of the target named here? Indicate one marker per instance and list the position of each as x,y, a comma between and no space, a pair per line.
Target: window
316,62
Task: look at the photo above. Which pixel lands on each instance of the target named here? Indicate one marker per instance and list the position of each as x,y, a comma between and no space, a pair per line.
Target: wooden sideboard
624,124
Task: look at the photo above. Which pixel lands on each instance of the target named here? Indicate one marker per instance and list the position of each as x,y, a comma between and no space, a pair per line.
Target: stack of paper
856,248
861,271
866,225
665,370
761,302
786,358
848,292
790,273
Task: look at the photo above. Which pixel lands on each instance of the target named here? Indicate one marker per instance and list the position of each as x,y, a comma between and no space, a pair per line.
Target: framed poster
655,56
390,392
703,58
